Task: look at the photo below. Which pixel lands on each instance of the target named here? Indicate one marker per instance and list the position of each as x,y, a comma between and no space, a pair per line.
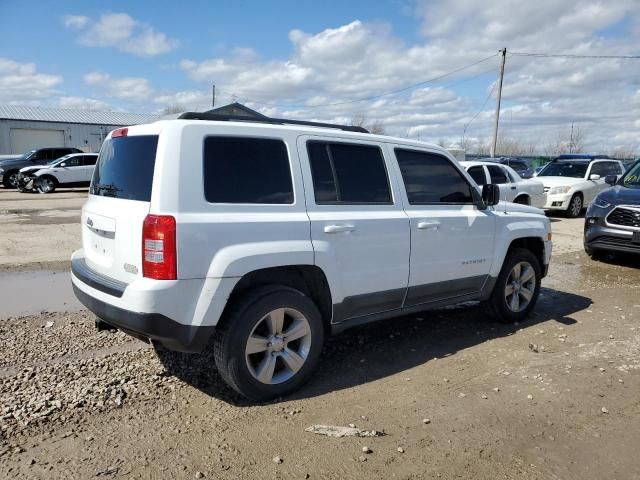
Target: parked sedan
612,221
513,188
520,165
73,170
572,183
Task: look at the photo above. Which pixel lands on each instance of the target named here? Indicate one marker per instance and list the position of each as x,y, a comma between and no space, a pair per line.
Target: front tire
517,288
575,206
46,184
269,342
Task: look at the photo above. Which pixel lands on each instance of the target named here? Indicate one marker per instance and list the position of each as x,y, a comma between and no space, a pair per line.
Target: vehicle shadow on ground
368,353
619,259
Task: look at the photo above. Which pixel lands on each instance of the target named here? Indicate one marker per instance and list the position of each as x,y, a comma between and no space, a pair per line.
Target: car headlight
600,203
1,171
557,190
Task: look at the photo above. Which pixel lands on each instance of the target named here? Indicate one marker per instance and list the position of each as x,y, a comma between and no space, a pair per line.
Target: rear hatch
119,199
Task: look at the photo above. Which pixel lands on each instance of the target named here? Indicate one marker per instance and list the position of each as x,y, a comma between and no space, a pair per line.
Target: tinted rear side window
125,168
431,178
348,173
246,170
477,173
497,175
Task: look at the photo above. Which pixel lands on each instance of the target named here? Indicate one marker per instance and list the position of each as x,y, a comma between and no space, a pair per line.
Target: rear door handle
428,225
513,187
338,228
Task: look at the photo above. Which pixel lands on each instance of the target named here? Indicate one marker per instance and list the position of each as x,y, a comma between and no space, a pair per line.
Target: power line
484,104
568,55
375,97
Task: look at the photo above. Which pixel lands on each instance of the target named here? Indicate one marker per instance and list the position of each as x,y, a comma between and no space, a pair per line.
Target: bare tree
569,140
375,127
171,109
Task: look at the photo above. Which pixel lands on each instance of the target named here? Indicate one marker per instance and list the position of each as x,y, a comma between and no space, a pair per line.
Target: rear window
125,168
247,170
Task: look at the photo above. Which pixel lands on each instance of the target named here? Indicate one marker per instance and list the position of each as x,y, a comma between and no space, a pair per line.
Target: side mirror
63,164
594,176
611,179
490,194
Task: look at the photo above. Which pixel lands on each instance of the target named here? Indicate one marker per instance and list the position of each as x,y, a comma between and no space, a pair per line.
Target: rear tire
575,206
522,200
287,335
520,277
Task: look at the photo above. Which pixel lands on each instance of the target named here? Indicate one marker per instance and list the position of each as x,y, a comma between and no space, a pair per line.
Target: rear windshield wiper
109,190
107,187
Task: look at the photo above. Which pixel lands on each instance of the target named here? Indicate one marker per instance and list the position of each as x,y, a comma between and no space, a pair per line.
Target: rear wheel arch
308,279
523,199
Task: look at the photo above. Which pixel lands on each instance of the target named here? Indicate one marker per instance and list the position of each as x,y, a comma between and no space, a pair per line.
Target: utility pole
571,140
495,128
213,95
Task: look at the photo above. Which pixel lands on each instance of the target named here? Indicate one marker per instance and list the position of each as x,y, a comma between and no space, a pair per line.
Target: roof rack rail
274,121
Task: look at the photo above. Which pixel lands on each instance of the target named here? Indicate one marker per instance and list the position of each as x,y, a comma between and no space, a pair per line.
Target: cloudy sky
425,69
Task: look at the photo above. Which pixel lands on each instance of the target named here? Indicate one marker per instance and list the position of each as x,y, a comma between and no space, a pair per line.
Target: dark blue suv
613,220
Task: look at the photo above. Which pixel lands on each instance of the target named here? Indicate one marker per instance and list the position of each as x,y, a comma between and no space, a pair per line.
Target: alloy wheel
46,185
278,346
520,286
576,206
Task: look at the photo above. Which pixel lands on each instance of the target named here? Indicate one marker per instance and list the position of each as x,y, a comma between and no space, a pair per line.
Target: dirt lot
460,396
39,231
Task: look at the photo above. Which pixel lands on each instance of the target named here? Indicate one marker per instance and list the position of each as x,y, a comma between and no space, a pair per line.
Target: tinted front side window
246,170
125,168
431,178
348,173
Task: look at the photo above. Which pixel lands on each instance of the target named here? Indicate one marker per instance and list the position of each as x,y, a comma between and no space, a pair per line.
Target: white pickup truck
257,239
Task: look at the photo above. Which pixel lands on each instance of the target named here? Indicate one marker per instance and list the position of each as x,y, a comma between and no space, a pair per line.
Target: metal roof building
24,128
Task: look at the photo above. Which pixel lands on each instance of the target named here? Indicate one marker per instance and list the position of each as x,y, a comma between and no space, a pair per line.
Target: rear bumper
152,327
179,314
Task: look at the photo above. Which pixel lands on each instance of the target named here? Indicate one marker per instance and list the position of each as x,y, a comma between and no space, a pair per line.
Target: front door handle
428,225
338,228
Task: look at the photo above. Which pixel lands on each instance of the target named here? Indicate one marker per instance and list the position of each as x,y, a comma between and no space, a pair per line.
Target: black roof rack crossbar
274,121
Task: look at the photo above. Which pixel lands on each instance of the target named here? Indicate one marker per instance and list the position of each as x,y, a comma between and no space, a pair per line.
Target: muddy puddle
27,293
29,216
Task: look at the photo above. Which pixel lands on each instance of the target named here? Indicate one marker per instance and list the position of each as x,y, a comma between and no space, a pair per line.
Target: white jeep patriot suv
258,238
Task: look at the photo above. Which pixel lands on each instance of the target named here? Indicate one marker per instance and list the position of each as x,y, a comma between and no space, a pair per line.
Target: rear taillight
159,247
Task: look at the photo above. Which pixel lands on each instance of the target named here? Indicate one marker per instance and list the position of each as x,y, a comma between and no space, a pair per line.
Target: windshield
632,178
27,155
565,169
58,160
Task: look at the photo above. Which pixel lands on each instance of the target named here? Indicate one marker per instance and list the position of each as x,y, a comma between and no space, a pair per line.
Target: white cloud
82,103
125,88
21,82
75,21
121,31
540,96
194,99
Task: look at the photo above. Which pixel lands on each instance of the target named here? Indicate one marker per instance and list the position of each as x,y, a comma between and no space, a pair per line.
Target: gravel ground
455,394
